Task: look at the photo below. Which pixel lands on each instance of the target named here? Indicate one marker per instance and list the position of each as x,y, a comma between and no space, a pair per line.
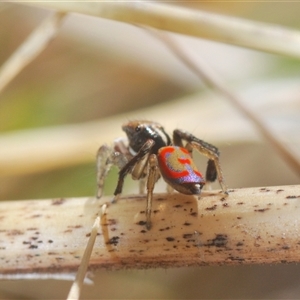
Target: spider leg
213,169
106,158
133,165
170,189
151,180
142,185
140,172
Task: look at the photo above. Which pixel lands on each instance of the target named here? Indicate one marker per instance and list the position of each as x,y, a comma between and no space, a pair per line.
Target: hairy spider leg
213,169
133,165
106,158
142,185
151,180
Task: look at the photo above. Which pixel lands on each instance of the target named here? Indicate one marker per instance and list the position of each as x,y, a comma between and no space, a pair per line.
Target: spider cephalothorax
150,153
138,132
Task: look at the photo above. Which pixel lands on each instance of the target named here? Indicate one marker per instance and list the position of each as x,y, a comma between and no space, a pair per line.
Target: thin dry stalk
71,150
241,32
205,73
68,145
30,49
250,226
76,288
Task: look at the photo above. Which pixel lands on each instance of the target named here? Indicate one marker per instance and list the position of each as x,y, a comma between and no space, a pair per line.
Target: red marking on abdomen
184,161
176,167
163,151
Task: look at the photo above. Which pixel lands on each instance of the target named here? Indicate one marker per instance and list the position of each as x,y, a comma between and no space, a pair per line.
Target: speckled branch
254,225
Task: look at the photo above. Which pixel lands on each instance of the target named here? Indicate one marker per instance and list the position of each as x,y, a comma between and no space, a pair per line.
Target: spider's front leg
213,169
136,166
106,158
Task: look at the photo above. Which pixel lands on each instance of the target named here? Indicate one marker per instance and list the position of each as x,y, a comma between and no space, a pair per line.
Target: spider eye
138,128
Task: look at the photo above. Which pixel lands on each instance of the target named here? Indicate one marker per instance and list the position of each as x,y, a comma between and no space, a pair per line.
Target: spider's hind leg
213,169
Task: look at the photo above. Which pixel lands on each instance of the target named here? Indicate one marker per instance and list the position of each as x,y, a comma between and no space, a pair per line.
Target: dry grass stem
53,147
205,73
67,145
30,49
241,32
250,226
76,288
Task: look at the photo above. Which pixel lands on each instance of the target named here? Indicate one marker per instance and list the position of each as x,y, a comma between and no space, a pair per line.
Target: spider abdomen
178,170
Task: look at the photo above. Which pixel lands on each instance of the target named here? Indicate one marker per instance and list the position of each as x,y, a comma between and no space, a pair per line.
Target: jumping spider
151,154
